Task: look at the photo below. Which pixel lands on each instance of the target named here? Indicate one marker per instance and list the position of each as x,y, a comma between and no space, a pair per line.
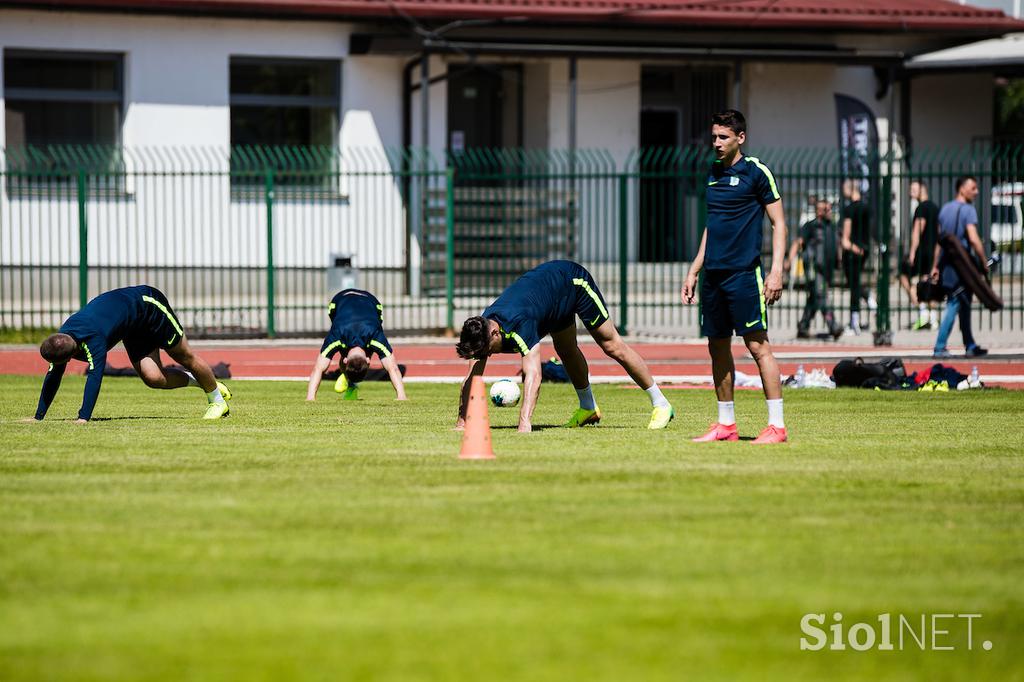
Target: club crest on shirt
734,181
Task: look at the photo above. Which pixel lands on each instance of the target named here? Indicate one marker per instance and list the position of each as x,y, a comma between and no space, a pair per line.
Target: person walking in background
817,240
856,240
959,218
924,234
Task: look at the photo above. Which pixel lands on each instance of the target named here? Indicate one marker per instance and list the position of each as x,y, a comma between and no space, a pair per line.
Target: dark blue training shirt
104,322
736,199
356,318
542,301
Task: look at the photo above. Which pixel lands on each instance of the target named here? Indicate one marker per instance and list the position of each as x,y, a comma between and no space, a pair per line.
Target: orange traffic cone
476,439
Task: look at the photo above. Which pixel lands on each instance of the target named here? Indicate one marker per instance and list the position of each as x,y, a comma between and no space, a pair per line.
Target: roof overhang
998,54
889,16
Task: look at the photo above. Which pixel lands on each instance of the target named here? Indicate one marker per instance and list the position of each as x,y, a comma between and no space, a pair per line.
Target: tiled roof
884,15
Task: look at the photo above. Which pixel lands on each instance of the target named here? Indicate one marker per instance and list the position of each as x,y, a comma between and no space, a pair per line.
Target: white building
177,83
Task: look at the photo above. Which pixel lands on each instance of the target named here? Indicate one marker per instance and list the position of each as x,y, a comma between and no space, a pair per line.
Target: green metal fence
244,240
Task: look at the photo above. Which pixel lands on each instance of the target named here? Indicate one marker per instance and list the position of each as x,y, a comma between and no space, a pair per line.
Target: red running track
426,361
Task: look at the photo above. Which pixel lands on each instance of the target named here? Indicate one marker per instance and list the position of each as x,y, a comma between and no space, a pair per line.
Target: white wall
176,94
951,110
792,105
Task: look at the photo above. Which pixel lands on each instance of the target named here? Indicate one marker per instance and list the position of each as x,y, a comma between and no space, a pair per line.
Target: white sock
726,413
191,379
775,413
586,396
214,396
855,320
922,310
933,315
657,399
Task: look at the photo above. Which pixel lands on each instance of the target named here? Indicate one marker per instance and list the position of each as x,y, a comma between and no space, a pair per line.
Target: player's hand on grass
773,287
81,421
29,420
460,424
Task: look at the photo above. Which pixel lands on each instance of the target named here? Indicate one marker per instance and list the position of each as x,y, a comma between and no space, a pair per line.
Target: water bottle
973,379
800,376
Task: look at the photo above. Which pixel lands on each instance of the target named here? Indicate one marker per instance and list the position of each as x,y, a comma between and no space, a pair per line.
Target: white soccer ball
505,393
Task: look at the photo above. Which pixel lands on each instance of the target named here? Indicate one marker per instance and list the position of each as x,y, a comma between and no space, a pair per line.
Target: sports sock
586,396
855,320
922,311
726,413
775,413
191,379
657,398
214,396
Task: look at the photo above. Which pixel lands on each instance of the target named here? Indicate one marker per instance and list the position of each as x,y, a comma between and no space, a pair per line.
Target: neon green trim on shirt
165,311
383,349
88,355
331,306
519,342
327,351
578,281
771,178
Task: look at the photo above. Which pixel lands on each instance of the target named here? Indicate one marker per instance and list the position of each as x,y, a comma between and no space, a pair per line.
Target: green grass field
345,541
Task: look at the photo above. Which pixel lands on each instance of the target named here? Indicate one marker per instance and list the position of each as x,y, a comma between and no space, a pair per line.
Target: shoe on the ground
719,432
976,352
852,329
661,416
927,387
803,334
836,332
348,391
772,434
217,410
922,324
942,355
583,417
224,391
942,387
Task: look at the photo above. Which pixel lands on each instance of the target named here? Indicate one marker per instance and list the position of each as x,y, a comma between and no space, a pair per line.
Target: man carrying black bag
959,218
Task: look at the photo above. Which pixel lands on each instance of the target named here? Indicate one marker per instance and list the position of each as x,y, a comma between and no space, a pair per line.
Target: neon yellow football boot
583,417
349,392
217,410
661,416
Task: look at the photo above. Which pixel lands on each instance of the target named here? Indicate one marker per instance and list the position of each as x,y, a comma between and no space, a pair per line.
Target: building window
277,107
62,111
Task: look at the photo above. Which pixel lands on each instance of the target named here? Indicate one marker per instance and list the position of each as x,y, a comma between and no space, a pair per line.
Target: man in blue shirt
735,293
142,319
356,332
959,218
547,300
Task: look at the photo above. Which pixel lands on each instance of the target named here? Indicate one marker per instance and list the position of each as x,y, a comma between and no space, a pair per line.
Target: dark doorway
485,106
676,103
661,191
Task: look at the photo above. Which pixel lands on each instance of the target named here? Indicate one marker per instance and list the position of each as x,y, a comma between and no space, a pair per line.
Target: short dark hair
962,180
474,339
730,118
355,368
58,348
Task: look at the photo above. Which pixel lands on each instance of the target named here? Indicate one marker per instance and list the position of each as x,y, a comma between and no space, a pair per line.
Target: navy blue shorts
160,327
732,300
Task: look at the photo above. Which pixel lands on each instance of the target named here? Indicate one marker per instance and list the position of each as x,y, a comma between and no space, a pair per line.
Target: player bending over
142,319
356,332
545,301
